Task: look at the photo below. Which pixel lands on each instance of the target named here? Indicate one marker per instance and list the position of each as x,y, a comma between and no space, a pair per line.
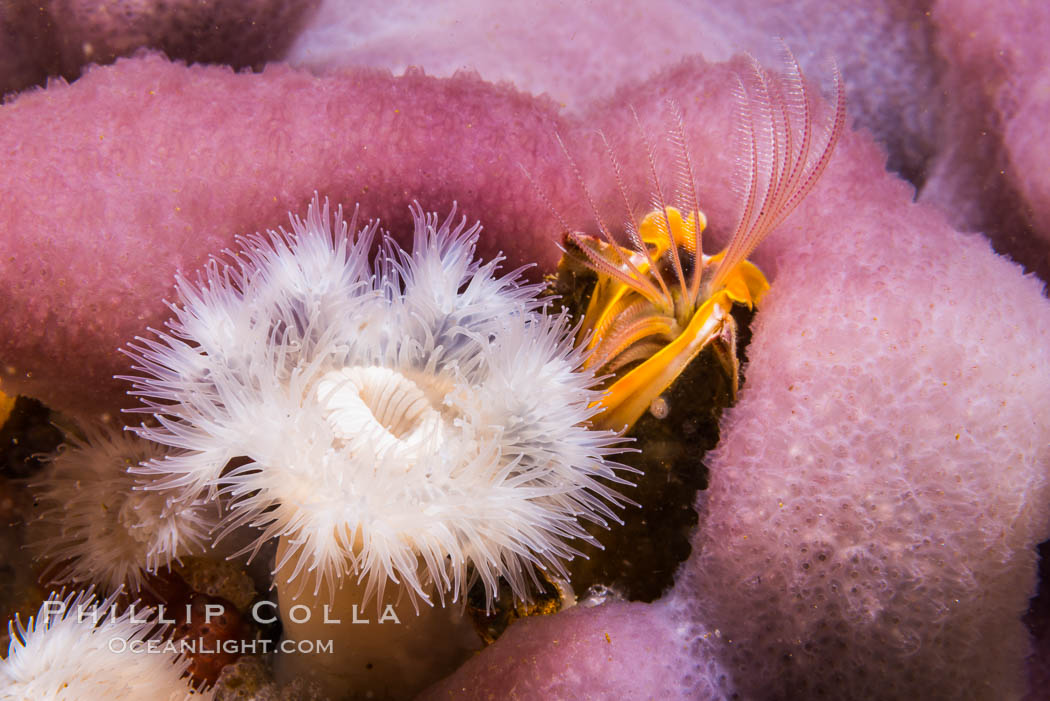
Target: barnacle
659,302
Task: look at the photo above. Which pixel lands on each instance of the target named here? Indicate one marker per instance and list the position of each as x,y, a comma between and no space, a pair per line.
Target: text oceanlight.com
230,647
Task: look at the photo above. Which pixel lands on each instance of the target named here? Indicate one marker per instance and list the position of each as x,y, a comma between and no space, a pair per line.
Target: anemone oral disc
383,409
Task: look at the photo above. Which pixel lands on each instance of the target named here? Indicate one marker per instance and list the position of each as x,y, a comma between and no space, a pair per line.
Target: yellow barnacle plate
7,404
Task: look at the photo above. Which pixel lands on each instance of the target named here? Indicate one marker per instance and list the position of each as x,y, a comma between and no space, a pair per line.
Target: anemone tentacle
78,646
98,526
403,421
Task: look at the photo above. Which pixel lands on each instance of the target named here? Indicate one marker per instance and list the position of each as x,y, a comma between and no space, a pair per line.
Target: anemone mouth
393,414
137,516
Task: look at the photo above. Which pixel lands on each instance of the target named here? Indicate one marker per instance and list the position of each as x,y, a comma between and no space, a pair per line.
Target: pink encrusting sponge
879,487
878,493
166,163
881,484
60,37
617,650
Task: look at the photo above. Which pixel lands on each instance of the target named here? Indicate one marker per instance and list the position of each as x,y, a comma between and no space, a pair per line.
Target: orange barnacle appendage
629,397
657,304
7,405
623,326
683,232
745,284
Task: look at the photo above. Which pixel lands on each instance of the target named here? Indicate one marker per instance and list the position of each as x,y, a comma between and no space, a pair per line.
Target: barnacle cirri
659,302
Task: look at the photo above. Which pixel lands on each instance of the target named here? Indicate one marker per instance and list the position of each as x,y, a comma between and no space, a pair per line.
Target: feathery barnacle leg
414,423
657,303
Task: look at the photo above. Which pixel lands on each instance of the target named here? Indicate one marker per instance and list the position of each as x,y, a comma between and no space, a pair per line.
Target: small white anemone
401,421
76,649
98,526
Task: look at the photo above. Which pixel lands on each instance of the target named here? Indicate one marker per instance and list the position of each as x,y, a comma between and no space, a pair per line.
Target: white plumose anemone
98,526
401,422
75,649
